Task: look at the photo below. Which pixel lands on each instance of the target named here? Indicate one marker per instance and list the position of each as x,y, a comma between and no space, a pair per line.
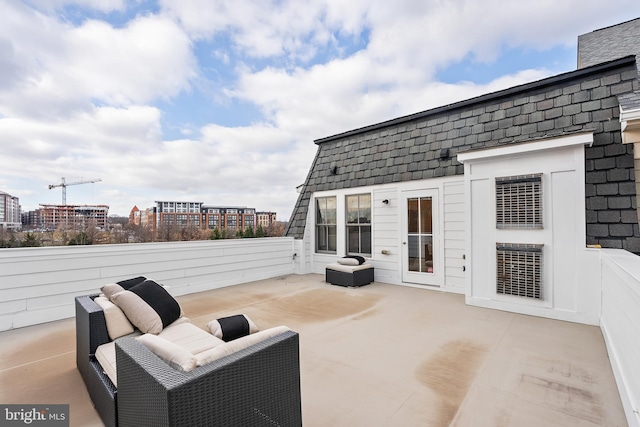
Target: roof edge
630,59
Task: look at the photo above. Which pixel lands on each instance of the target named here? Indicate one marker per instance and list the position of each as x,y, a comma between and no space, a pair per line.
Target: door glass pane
425,215
413,215
426,254
420,235
414,253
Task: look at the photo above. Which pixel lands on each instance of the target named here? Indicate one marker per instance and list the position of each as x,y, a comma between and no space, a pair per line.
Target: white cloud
83,142
85,100
99,5
148,59
65,68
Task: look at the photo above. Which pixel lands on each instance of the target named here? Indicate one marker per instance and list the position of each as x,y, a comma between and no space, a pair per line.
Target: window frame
323,226
361,227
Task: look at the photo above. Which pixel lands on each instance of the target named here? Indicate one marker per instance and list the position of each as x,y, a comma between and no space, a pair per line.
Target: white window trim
341,218
584,138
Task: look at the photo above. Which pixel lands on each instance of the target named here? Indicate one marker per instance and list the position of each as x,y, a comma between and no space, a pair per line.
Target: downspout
630,129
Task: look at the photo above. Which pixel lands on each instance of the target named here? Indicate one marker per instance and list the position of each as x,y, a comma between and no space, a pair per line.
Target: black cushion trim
159,299
129,283
233,327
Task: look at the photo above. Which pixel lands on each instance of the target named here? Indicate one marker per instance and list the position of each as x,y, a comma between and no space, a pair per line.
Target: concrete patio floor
380,355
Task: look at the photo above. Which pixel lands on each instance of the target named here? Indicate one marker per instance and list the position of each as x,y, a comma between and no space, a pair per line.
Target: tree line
120,231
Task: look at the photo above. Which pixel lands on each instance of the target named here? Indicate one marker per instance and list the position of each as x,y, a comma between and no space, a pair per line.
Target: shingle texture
629,101
609,43
425,145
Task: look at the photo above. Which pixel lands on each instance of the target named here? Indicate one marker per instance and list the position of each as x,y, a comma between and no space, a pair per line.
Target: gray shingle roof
424,145
629,101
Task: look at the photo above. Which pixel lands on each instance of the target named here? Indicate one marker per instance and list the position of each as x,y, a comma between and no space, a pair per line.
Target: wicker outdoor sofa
256,386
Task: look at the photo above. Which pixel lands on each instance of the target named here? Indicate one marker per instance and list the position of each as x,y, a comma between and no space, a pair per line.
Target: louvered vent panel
519,201
519,270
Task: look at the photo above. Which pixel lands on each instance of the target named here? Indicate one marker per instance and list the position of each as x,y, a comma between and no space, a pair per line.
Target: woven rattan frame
257,386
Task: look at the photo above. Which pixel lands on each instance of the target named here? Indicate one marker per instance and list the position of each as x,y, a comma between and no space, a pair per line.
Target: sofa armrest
259,385
91,329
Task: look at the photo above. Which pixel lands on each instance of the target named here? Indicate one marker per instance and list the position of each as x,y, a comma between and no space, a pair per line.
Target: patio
380,355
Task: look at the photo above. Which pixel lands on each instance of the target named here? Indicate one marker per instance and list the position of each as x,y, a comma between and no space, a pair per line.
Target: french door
420,239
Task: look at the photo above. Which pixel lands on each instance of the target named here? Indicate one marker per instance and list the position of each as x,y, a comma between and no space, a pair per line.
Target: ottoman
349,275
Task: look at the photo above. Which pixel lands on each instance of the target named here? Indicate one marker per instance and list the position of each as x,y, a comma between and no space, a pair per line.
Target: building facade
32,219
9,212
198,215
229,218
265,219
73,216
176,213
500,197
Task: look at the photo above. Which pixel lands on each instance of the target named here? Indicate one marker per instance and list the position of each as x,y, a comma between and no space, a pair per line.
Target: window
519,270
232,221
359,224
519,201
326,225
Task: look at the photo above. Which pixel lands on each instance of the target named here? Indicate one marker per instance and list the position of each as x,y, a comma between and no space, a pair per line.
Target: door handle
404,243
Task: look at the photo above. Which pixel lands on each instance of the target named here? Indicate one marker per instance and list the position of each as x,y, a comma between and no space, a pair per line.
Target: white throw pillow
117,323
239,344
348,261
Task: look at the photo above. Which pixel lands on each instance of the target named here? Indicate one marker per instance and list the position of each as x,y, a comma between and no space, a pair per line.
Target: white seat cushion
106,356
181,332
348,268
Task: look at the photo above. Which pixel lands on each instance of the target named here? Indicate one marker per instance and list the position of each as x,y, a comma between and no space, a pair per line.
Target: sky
219,101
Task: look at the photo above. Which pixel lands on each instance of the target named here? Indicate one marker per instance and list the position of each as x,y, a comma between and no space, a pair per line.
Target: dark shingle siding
609,43
410,148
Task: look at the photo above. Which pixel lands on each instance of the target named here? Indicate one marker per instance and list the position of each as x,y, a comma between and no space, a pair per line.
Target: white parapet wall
38,285
620,324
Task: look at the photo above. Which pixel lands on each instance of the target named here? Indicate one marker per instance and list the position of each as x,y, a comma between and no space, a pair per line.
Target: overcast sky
219,101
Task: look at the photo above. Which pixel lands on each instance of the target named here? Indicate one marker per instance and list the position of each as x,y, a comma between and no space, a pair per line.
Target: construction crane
64,184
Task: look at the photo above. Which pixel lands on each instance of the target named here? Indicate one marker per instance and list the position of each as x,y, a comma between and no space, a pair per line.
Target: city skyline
201,100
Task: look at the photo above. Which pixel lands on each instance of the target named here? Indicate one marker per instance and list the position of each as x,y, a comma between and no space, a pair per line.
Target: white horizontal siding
386,232
454,235
39,284
386,228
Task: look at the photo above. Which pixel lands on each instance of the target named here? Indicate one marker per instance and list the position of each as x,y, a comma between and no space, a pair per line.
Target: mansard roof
425,145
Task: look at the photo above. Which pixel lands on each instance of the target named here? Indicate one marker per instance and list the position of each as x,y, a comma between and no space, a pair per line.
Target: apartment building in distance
230,218
72,216
146,217
31,219
9,211
182,214
197,214
265,219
